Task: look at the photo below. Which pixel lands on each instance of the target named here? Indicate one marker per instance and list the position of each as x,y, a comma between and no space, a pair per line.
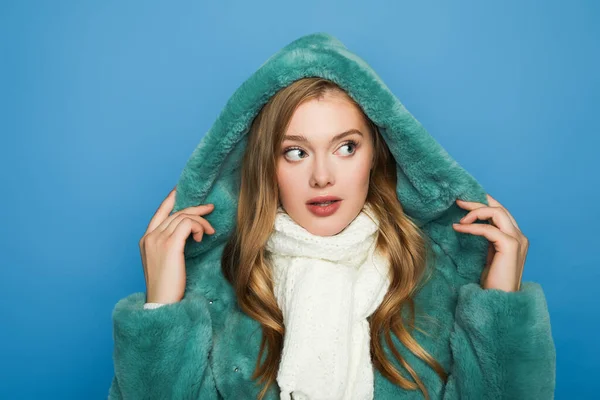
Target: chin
327,227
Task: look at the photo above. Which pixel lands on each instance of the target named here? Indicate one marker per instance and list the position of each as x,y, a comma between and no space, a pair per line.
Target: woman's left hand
508,246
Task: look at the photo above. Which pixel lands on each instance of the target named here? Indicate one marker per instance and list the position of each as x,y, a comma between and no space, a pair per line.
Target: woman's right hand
162,246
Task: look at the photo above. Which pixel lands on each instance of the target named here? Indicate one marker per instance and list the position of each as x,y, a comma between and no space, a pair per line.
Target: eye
352,144
290,149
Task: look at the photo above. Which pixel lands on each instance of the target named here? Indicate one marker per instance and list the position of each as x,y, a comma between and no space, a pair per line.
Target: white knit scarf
326,287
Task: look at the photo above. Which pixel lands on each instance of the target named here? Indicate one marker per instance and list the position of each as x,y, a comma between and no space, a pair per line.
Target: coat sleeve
162,353
502,345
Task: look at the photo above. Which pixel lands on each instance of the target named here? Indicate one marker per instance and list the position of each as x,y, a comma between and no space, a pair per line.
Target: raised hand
508,246
162,246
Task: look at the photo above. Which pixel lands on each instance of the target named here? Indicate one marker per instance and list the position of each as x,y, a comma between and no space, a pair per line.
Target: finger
163,211
490,232
472,205
202,209
204,223
469,205
188,226
498,216
496,203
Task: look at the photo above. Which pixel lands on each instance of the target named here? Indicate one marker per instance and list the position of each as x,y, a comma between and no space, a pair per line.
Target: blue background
103,102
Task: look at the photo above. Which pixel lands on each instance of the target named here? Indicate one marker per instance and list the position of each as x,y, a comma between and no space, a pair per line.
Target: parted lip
322,199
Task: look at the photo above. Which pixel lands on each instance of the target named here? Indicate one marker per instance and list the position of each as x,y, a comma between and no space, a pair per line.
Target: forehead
321,120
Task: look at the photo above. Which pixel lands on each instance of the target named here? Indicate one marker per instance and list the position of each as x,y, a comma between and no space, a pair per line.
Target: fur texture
494,344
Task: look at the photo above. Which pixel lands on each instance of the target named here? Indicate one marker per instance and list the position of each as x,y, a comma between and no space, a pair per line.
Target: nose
322,174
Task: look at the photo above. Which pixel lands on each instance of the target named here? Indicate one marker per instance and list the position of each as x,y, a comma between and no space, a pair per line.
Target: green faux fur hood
493,344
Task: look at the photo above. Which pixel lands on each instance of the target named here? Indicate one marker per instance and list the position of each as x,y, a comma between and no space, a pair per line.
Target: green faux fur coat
494,344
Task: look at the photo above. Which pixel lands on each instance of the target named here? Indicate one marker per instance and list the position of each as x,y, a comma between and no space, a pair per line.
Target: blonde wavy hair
245,262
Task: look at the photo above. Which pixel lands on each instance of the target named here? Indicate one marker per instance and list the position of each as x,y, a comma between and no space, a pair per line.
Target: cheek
357,175
285,182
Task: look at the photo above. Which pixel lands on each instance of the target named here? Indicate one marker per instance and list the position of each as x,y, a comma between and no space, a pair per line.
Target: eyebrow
300,138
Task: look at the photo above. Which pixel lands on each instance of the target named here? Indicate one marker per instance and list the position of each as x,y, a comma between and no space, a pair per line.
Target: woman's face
324,166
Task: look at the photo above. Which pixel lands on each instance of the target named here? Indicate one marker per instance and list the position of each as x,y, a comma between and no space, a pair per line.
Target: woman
372,293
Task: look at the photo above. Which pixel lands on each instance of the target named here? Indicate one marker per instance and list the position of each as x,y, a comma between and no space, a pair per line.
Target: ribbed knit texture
326,287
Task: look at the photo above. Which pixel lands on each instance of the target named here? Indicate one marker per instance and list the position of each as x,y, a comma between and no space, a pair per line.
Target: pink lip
322,199
324,211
